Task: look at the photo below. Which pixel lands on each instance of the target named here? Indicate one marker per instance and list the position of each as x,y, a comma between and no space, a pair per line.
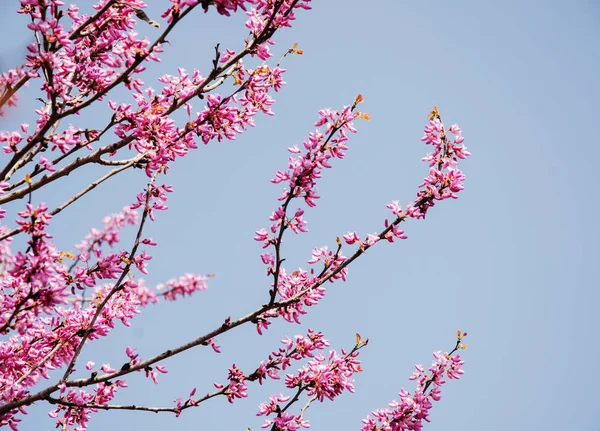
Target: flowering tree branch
50,310
119,284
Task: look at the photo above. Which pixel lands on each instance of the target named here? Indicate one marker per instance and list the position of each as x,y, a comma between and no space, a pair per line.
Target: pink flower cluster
36,285
410,412
321,146
295,350
82,64
160,141
187,284
237,384
445,180
299,348
320,378
326,377
50,344
33,284
10,80
92,244
153,199
71,401
89,57
284,421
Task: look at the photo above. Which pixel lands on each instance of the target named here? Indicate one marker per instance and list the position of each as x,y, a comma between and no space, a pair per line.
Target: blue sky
512,261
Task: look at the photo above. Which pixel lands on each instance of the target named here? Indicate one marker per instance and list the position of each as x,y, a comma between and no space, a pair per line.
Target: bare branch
60,402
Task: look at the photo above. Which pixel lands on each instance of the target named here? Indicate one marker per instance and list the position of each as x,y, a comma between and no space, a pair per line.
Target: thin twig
176,410
97,182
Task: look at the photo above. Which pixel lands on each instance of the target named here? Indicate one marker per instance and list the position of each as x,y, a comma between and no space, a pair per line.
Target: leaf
434,113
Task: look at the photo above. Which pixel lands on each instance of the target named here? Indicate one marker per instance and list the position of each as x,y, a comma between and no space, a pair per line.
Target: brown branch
77,163
10,91
118,162
60,402
175,410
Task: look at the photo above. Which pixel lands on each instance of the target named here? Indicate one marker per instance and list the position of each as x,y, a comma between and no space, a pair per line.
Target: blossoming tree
54,302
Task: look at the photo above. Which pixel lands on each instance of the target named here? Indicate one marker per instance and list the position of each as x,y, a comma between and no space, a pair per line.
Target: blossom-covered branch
290,303
53,302
410,412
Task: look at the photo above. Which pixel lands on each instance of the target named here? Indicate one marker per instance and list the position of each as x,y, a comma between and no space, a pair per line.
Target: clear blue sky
513,261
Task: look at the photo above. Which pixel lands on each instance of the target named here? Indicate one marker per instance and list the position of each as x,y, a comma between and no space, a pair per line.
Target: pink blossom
351,238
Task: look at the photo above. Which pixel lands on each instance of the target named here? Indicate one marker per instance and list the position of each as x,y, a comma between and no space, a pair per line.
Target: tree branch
118,285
